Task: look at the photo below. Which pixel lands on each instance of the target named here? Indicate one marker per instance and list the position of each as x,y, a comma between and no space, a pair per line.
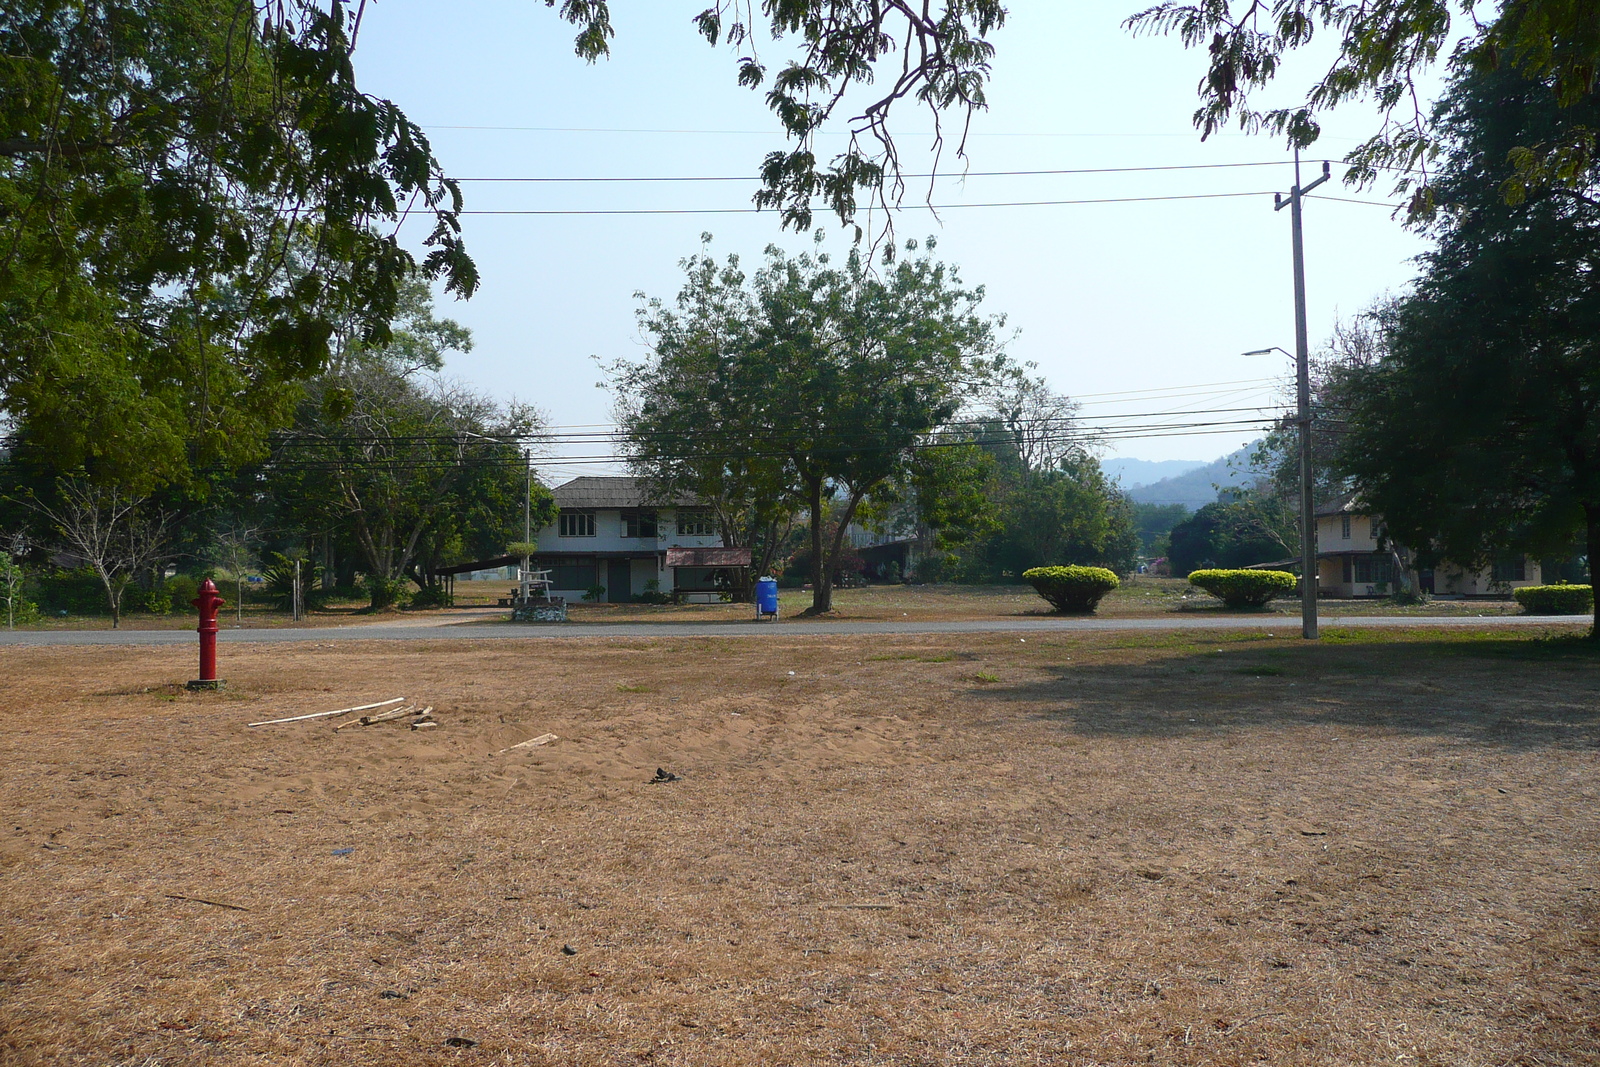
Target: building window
1511,569
1344,526
577,524
1377,529
696,523
639,524
572,574
1373,570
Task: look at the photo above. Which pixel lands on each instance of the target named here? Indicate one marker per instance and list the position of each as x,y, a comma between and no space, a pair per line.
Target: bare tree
233,548
111,530
10,587
1041,424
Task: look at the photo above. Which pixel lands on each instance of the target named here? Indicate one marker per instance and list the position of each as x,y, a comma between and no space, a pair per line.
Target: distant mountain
1133,473
1196,488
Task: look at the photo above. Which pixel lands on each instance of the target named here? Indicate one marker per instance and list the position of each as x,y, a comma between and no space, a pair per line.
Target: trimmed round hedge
1555,599
1071,590
1245,588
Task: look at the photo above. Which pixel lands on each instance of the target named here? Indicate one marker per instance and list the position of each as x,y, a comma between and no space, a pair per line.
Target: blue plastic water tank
766,596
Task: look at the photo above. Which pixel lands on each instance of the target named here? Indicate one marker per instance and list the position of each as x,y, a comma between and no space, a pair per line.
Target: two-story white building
1354,560
607,533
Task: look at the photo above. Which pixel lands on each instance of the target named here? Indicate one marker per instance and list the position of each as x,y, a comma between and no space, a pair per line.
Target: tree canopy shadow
1509,691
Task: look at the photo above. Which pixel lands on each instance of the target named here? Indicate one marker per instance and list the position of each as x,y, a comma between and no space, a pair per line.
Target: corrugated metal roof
708,557
610,491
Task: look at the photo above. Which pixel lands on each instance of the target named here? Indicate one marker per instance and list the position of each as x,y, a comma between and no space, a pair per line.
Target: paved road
473,629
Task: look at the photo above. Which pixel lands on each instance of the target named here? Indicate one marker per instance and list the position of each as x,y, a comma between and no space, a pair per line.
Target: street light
1308,519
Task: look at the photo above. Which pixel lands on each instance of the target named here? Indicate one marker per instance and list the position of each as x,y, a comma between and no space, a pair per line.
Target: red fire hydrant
208,602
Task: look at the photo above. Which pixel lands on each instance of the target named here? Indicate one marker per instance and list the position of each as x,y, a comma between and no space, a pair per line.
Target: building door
619,581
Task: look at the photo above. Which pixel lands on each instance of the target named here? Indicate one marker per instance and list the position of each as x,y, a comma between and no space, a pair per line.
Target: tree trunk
839,533
821,576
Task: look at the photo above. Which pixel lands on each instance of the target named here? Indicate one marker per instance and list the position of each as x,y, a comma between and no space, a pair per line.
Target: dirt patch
1170,848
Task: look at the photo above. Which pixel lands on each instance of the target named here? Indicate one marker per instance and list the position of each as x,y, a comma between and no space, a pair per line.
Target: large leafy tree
1234,533
193,194
687,410
812,381
1479,430
391,464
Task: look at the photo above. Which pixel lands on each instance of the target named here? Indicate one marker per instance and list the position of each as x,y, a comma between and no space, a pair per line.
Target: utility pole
1302,361
527,526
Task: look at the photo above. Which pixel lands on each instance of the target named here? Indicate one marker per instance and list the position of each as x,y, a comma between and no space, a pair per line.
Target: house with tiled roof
609,532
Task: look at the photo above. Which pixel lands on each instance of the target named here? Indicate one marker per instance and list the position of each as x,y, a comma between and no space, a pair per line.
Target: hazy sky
1115,302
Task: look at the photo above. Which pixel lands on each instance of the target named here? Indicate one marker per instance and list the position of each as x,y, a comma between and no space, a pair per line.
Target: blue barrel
766,596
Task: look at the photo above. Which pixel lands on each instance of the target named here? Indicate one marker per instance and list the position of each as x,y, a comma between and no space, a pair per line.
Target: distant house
1354,560
885,553
608,533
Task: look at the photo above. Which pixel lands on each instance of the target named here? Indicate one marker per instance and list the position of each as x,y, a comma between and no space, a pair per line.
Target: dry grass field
1071,849
1138,597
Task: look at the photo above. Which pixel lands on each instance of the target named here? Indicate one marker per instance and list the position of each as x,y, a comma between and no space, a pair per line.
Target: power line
930,207
822,133
928,174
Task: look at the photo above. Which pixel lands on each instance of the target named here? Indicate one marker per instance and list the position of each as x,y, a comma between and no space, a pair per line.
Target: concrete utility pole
527,527
1302,361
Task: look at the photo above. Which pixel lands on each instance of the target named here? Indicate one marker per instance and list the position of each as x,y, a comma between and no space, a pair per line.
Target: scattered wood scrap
388,716
328,714
203,900
532,742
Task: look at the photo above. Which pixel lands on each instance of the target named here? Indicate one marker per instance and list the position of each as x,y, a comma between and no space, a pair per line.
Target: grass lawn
1102,848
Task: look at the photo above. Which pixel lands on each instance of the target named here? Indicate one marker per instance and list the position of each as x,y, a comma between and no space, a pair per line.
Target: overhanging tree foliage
1480,429
1384,47
192,196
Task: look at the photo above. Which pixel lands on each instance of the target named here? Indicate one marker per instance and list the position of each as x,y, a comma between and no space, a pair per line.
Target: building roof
708,557
610,491
1349,504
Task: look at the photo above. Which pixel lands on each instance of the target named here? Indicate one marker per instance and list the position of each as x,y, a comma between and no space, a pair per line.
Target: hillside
1196,488
1132,473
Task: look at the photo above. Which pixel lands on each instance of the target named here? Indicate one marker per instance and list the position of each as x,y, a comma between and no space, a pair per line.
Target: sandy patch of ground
1095,848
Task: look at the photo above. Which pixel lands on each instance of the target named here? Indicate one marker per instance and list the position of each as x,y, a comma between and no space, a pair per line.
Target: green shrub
432,596
1555,599
184,588
595,593
154,601
1245,588
75,592
652,594
1071,590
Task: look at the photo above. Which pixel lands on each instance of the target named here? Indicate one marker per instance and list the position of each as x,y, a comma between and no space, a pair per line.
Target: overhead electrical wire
913,207
928,174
